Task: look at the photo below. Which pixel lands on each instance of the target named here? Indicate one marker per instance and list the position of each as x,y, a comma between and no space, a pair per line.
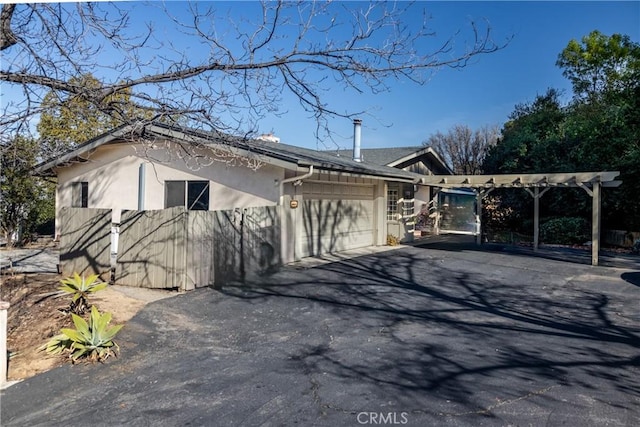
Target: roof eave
47,168
426,150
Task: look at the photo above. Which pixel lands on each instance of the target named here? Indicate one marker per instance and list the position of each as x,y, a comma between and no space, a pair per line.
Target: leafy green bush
81,287
92,340
565,231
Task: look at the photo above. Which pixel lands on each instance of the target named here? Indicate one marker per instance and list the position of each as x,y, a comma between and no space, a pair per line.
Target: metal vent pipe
357,131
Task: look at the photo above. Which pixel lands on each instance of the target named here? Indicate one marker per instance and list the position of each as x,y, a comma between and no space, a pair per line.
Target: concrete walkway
42,260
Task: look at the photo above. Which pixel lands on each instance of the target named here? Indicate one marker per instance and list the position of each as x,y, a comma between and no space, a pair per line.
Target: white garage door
336,217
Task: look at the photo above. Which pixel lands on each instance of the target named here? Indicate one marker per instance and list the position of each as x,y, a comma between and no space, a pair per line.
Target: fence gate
176,248
152,249
85,241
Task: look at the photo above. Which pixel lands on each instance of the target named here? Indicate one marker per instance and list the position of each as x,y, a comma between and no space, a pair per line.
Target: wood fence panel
200,249
152,249
227,227
261,241
85,241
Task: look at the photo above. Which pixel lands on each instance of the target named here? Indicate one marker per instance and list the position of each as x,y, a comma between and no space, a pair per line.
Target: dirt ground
37,313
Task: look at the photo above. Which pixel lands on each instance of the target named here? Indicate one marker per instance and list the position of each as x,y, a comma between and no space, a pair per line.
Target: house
405,200
330,203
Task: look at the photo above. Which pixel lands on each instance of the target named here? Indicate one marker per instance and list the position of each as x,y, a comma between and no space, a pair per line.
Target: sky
483,93
488,89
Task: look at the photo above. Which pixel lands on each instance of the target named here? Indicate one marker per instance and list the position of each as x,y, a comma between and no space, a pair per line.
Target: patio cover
536,185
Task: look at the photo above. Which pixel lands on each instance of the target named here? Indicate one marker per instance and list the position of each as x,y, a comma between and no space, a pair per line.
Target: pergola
536,185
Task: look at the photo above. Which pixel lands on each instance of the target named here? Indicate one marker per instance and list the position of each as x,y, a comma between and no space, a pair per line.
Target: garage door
336,217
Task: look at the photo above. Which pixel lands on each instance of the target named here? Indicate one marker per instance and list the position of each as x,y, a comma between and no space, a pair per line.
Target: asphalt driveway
411,336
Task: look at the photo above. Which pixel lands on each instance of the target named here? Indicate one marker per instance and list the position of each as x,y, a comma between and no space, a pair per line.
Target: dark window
198,195
174,193
80,194
194,195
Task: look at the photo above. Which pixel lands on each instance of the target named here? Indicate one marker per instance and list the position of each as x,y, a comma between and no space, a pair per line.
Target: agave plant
81,287
92,340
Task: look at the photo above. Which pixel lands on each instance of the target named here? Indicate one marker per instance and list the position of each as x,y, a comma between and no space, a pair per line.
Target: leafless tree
210,70
463,149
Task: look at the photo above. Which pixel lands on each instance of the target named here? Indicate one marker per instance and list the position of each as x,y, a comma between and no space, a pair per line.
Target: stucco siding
112,177
112,173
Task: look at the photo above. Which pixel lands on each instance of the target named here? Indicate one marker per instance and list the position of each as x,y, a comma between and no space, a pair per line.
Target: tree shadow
632,277
411,326
576,255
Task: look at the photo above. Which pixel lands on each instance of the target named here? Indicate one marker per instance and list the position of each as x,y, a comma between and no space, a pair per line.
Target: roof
381,156
283,155
584,180
394,156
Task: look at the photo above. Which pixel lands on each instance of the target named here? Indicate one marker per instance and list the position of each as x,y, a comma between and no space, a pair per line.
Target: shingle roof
298,156
381,156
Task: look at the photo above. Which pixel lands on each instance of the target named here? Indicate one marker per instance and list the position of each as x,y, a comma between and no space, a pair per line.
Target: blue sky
486,91
483,93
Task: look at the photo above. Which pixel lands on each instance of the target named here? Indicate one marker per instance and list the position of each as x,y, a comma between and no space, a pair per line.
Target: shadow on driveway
433,337
458,243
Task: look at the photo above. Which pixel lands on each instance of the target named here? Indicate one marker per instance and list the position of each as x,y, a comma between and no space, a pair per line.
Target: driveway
41,260
413,336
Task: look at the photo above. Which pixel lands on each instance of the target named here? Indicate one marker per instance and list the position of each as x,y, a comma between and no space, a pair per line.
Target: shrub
81,287
92,340
392,240
565,231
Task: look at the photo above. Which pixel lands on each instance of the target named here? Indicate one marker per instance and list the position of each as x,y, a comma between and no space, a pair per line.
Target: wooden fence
176,248
85,242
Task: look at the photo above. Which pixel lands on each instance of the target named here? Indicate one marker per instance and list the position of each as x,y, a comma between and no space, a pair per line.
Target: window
79,194
194,195
408,198
397,207
392,203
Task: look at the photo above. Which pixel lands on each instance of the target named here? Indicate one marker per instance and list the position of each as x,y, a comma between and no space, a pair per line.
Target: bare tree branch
7,38
463,149
237,71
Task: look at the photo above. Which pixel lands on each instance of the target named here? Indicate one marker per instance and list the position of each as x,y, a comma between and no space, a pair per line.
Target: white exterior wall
113,174
421,197
293,221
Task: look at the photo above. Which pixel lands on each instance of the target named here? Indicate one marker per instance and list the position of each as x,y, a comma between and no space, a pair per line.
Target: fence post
4,306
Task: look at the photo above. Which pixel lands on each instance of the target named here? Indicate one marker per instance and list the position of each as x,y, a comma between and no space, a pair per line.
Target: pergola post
536,194
536,218
479,195
591,182
595,223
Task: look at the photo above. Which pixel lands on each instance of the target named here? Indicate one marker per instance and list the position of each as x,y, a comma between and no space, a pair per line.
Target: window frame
190,201
400,201
80,194
393,195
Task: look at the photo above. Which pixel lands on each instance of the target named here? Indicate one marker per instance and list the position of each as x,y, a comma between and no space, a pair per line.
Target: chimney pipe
357,131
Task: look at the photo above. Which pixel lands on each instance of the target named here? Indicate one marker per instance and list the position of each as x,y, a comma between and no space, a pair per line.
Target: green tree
25,201
530,139
600,63
67,121
599,130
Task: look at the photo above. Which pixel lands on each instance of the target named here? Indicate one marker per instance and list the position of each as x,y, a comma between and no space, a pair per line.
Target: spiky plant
92,340
80,288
